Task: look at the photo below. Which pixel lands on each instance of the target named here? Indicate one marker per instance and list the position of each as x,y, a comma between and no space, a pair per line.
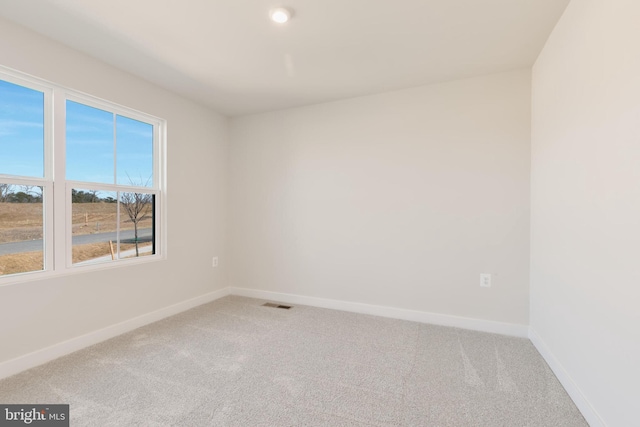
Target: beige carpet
234,362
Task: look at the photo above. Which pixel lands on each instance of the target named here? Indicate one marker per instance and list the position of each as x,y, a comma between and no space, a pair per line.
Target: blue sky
90,147
21,131
90,141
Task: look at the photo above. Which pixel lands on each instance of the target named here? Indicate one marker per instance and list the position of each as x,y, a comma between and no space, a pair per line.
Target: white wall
37,314
585,253
400,199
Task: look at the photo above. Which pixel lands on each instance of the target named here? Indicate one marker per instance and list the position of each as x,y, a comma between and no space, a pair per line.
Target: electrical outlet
214,263
485,280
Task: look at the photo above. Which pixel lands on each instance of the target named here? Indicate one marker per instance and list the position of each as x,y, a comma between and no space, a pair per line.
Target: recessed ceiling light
280,15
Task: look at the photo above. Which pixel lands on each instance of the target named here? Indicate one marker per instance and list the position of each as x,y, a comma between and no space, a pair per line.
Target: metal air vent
272,305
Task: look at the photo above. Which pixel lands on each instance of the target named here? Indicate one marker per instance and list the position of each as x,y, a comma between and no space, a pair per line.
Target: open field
21,222
33,261
20,263
89,218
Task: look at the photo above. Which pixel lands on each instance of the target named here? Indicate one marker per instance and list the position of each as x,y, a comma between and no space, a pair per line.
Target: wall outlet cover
485,280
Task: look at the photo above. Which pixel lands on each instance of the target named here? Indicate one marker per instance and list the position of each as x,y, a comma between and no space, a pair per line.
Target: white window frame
57,190
114,187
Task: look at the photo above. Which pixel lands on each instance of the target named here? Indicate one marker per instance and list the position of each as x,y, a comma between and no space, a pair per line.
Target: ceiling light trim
280,15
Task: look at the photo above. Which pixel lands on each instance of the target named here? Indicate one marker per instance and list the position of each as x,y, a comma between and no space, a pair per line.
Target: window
25,181
111,181
85,192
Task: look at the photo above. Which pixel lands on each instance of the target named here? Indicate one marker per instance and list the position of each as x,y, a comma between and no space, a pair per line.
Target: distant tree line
22,197
25,194
79,196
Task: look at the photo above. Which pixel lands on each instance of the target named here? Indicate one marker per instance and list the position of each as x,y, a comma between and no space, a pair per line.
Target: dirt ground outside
24,222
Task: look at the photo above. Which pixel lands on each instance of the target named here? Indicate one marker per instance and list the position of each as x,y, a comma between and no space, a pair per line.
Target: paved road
144,235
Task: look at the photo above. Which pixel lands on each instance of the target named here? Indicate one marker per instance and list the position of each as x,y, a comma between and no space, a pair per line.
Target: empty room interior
438,202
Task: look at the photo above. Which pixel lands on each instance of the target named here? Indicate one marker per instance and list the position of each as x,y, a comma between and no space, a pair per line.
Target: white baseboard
28,361
585,407
511,329
39,357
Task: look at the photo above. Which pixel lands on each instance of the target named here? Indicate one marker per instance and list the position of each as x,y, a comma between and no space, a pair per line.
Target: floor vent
270,304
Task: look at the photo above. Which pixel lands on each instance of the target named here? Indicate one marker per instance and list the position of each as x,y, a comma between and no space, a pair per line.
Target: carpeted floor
234,362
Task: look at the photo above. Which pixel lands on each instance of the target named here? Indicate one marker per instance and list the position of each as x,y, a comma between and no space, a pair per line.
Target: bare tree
34,192
5,191
138,207
94,196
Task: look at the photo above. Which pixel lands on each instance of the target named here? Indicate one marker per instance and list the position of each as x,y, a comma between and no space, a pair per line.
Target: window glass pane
134,142
89,144
136,224
21,131
21,227
94,226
